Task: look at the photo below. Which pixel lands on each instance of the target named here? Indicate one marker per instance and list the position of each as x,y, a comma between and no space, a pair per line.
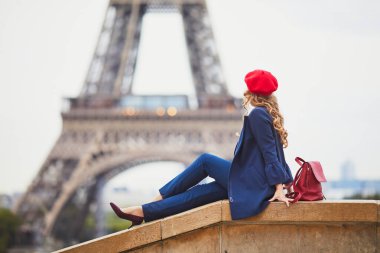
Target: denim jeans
183,192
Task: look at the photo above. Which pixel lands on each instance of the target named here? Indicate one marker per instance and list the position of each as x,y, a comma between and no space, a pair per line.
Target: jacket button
231,199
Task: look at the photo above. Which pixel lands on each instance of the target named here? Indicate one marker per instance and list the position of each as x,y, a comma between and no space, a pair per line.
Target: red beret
261,82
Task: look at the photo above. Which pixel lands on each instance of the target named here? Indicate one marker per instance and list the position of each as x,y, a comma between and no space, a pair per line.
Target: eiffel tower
108,129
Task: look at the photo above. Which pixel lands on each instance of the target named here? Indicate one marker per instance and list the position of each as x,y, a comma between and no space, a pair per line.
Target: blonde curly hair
270,102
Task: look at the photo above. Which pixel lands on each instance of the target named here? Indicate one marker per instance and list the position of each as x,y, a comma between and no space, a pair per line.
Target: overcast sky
325,55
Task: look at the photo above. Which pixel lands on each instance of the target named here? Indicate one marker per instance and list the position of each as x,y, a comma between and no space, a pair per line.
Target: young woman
255,176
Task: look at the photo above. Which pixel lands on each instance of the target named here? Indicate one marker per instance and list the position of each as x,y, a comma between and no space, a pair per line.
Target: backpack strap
293,195
296,195
300,161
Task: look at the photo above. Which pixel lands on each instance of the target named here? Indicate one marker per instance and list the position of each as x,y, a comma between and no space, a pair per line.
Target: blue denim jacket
257,166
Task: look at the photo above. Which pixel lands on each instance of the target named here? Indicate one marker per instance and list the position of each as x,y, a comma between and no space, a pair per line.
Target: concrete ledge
209,228
120,241
192,219
315,211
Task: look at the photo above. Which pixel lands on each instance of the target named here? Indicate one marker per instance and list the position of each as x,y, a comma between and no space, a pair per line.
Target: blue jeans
183,192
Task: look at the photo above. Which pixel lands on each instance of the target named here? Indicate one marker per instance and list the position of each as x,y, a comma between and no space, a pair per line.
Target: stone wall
320,226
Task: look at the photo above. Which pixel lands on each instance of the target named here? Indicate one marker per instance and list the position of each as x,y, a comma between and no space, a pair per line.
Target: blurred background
325,55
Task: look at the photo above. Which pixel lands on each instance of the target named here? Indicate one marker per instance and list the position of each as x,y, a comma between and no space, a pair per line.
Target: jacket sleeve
261,126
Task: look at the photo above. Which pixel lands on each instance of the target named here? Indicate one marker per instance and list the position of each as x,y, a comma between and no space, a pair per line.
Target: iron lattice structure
102,137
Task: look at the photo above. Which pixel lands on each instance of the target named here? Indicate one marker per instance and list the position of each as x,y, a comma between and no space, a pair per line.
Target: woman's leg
197,195
205,165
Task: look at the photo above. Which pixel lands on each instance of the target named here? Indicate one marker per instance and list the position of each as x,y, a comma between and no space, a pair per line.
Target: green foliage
9,224
90,222
375,196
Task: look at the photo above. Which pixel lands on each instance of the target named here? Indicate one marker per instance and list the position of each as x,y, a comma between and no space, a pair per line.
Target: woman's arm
261,124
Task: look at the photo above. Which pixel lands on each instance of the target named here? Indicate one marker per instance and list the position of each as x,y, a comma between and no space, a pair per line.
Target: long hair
270,102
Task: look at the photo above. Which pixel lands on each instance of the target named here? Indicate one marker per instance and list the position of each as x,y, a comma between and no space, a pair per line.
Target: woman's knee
210,163
205,156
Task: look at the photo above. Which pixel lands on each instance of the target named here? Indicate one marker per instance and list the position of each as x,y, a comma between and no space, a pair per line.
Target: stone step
320,226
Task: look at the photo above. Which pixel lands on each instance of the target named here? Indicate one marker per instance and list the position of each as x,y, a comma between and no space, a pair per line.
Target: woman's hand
279,195
290,189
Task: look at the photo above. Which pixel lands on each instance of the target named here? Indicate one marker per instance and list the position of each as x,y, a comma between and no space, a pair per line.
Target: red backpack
307,182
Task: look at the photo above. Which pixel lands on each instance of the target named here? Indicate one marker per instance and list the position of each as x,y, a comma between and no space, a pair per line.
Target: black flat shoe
135,219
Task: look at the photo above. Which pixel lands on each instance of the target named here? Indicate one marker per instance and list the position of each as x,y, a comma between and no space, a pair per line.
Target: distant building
348,185
348,171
